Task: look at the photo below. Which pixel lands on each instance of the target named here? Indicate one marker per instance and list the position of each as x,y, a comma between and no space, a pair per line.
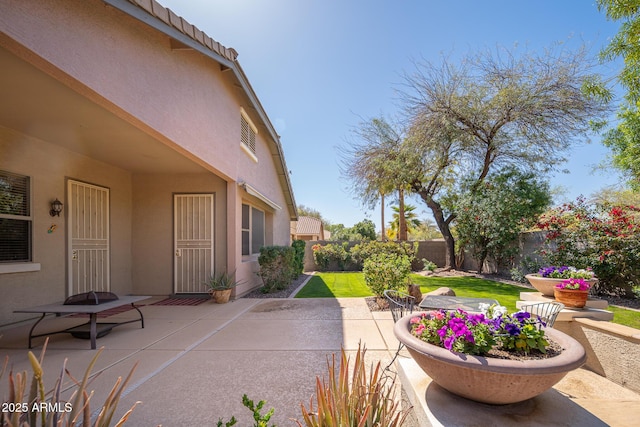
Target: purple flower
521,316
512,329
448,343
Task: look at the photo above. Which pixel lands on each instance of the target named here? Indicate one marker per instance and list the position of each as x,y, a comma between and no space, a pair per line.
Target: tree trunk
383,234
402,221
443,226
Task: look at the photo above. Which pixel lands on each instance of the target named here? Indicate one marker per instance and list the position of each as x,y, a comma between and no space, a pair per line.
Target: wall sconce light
56,208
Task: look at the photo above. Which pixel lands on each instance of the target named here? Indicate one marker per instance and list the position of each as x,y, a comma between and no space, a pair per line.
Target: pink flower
438,315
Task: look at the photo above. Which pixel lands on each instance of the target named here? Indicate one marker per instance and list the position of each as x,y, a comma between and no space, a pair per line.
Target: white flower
499,310
484,307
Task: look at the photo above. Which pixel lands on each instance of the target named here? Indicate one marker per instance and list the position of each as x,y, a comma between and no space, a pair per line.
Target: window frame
27,218
251,229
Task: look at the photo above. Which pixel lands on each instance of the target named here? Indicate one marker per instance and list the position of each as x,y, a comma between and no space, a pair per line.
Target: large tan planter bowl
489,380
546,284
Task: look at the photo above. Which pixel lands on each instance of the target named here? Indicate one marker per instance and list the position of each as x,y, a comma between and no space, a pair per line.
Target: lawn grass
335,285
352,285
625,317
466,286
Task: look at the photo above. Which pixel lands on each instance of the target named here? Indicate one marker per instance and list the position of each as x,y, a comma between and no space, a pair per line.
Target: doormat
106,313
181,301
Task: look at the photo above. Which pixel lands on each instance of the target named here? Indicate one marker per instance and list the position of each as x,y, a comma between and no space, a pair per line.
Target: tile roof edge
169,17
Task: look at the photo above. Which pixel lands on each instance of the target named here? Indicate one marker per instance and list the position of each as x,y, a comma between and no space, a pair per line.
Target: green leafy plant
363,251
350,397
332,253
386,271
320,256
223,281
260,420
428,265
526,266
491,215
23,401
277,267
298,247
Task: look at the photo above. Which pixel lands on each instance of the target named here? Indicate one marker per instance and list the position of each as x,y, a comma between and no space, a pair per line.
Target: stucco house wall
129,96
49,166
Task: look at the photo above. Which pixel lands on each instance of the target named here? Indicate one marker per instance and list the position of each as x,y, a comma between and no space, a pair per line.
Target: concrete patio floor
196,362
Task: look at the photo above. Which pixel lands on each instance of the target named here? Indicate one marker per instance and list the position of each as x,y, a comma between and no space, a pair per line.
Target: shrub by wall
277,267
298,247
384,271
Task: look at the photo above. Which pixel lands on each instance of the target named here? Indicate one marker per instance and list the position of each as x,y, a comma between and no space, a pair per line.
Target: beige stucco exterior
110,93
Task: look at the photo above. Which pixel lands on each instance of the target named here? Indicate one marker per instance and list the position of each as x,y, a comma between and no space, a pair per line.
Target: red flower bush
605,238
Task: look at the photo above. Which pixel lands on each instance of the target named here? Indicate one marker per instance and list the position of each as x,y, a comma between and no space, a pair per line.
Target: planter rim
572,356
558,279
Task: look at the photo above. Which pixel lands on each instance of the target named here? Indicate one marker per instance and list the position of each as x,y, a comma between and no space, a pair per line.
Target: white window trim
22,267
254,255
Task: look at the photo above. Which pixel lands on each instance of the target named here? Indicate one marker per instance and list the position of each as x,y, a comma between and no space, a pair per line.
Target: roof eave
165,21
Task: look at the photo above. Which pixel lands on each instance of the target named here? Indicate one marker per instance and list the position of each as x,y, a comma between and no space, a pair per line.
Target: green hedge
277,267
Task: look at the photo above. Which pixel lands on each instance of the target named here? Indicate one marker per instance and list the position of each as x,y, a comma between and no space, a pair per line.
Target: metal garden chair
400,304
546,311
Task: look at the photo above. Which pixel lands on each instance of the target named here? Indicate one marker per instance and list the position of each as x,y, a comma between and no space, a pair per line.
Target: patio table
447,302
93,329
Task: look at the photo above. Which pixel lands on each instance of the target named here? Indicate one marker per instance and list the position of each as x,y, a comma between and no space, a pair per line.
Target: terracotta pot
221,296
490,380
546,285
571,297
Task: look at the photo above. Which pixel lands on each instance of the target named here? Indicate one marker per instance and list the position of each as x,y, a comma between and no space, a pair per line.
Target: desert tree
492,110
374,164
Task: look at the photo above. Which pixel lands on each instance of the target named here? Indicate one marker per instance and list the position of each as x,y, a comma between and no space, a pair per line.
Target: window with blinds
247,132
253,230
15,217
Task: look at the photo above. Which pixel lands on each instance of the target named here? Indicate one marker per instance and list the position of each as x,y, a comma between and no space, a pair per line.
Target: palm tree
410,218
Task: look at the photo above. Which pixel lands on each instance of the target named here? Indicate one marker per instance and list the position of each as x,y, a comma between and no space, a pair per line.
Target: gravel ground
285,293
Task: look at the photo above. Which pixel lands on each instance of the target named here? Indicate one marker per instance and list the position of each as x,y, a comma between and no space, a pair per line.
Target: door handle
178,253
74,255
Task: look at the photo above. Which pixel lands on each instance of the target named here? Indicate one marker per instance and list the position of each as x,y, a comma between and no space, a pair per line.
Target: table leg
34,327
140,313
93,331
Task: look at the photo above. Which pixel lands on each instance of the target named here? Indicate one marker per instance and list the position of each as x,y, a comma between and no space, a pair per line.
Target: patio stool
400,304
546,311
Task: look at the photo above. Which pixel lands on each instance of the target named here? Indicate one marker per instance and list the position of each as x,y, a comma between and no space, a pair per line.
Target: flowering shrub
574,284
386,271
565,272
320,256
324,255
603,237
478,333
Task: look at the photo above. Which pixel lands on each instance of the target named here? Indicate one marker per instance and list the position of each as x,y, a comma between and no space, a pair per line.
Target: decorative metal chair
546,311
400,304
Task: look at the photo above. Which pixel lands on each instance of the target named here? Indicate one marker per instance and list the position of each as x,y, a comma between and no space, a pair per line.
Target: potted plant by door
220,286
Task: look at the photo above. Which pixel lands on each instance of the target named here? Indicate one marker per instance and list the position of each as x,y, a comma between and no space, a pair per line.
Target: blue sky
321,66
